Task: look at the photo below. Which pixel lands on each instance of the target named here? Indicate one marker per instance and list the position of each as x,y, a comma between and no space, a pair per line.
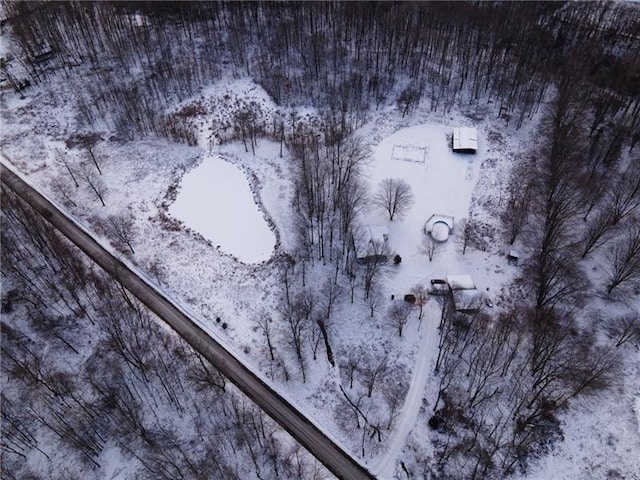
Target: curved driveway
311,437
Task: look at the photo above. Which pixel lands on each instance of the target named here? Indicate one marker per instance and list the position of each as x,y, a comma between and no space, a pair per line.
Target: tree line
130,61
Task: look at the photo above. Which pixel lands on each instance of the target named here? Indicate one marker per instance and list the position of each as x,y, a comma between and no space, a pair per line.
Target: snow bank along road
311,437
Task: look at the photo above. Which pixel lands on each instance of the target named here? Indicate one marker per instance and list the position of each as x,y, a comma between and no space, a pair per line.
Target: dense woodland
574,196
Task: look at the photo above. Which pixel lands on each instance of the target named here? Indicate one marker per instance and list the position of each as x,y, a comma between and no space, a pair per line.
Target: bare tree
95,182
374,264
625,328
624,196
624,262
122,228
352,275
395,391
469,234
394,196
517,210
421,293
264,321
314,337
375,300
297,315
372,371
351,363
87,141
429,246
63,189
596,371
331,293
409,97
556,279
62,158
398,315
596,233
464,233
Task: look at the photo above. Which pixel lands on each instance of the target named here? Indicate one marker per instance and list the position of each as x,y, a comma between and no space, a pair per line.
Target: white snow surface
215,200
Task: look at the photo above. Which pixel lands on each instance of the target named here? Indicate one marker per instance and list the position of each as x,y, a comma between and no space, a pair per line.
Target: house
512,257
466,297
465,140
373,245
439,227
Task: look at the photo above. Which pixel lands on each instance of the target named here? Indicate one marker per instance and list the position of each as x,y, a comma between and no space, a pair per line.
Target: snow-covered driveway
384,466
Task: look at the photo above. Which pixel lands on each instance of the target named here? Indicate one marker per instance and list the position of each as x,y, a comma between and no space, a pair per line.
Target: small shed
512,257
371,245
460,282
465,140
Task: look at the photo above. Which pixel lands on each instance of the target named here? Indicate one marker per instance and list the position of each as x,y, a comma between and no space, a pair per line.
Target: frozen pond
215,200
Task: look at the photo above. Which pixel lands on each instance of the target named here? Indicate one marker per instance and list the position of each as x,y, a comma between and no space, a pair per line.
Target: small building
467,301
439,227
460,282
466,297
465,140
512,257
373,245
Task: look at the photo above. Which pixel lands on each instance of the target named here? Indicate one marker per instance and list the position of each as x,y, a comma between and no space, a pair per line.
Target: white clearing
442,184
215,200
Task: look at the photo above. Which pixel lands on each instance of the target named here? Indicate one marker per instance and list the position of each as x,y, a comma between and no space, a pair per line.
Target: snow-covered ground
241,202
441,184
385,466
601,435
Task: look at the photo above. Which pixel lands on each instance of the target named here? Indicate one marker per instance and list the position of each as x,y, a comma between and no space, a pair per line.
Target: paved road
311,437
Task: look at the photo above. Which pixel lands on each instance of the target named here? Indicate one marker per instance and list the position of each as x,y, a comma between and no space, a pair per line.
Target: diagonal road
331,455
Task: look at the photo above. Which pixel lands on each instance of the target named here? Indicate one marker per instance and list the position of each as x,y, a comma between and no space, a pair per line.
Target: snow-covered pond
215,200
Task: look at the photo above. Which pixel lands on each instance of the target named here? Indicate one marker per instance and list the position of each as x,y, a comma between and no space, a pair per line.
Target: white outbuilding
465,140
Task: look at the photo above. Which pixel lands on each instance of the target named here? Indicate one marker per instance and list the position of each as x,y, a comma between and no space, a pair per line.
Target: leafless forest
85,363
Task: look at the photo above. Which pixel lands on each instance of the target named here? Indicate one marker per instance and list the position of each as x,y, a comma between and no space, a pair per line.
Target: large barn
465,140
